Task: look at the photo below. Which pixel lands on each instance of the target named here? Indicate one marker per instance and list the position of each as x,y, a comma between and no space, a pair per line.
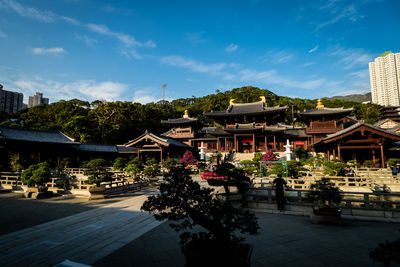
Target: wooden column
226,144
218,144
58,161
373,155
235,143
275,143
161,155
334,153
382,158
338,151
266,144
253,147
329,156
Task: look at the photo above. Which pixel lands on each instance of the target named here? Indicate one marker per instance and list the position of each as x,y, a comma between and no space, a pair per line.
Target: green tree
120,163
38,174
97,172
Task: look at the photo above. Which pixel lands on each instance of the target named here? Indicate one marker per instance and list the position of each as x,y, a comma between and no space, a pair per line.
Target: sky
126,50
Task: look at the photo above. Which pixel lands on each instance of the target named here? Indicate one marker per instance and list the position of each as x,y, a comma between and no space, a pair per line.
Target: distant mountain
353,98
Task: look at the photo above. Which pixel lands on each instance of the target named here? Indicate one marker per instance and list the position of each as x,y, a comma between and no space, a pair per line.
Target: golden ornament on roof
231,102
319,104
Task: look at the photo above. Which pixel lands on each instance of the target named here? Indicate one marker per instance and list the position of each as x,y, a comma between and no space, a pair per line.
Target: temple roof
349,130
98,148
245,109
22,134
325,112
180,121
163,140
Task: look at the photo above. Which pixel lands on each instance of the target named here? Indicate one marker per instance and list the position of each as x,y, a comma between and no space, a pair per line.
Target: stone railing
359,200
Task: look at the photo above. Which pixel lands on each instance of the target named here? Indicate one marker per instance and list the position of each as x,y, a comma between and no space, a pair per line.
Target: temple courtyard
113,232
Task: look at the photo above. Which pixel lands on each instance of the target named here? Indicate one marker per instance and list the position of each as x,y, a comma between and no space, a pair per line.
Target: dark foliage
324,192
387,252
185,204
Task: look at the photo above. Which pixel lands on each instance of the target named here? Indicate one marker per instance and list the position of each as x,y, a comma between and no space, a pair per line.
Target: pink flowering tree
269,156
188,159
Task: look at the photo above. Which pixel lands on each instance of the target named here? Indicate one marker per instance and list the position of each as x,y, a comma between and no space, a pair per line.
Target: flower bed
212,176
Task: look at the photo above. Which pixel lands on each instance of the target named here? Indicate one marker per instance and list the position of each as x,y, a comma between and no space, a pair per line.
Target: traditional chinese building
359,142
323,121
249,127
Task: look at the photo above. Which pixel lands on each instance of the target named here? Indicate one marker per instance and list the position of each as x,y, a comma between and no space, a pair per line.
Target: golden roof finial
262,99
319,104
186,114
231,102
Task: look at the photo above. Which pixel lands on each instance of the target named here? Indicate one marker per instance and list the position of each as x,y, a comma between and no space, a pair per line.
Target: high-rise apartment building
37,99
10,101
384,75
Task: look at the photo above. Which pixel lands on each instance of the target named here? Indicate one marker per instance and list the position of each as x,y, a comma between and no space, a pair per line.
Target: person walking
278,183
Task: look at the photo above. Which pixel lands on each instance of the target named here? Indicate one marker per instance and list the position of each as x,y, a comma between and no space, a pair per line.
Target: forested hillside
118,122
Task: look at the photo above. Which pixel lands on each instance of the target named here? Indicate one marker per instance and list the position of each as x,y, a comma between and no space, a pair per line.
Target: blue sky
126,50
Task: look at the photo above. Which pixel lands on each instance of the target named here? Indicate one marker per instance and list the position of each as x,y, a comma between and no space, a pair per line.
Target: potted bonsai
97,173
185,204
36,177
326,197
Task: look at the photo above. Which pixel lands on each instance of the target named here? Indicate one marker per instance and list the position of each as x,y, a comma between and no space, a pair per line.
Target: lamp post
163,92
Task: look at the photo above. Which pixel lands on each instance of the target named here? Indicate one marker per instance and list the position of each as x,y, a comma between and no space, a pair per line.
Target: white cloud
231,48
313,49
85,89
196,38
87,40
145,96
308,64
277,57
361,74
351,58
51,50
273,77
338,13
192,65
29,12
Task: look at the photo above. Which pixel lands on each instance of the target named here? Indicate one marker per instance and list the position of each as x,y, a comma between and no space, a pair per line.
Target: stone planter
228,198
209,253
37,192
326,215
97,192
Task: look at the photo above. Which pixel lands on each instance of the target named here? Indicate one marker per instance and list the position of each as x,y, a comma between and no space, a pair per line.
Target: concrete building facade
37,99
10,101
385,79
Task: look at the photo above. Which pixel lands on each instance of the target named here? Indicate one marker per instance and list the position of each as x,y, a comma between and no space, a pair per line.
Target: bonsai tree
294,168
234,177
300,153
169,163
120,163
325,193
187,158
334,167
248,166
15,164
269,156
151,169
38,174
97,172
134,167
184,203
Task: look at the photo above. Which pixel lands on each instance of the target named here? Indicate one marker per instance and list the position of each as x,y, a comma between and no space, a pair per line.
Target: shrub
151,169
38,174
300,153
97,172
269,156
185,202
187,158
135,166
334,168
294,169
120,163
324,192
169,163
369,163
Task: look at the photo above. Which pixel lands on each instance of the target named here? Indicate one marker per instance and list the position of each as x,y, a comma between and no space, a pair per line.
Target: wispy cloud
231,48
361,74
51,50
145,95
307,64
313,49
87,40
351,58
127,40
277,57
193,65
338,13
85,89
196,37
273,77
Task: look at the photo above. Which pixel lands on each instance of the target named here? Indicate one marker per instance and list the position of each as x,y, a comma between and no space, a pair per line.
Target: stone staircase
237,157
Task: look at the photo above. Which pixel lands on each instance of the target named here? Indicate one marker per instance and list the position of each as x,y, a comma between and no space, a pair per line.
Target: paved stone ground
84,237
284,240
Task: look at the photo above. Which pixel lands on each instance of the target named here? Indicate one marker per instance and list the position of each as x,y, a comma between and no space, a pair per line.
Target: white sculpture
288,146
202,151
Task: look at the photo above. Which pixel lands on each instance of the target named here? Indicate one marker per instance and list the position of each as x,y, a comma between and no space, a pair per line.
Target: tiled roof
98,148
325,111
179,121
163,139
247,108
22,134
